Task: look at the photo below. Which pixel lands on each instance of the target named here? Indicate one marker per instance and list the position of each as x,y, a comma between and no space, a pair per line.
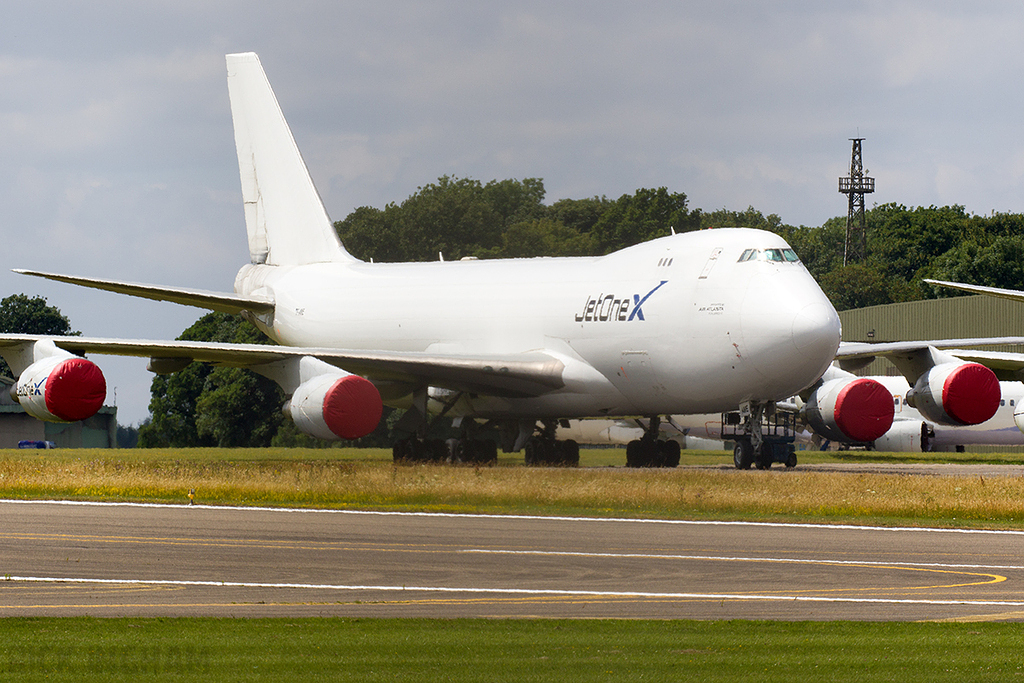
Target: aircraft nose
816,329
791,333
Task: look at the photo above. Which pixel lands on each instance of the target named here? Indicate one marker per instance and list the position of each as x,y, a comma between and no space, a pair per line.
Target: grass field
197,650
352,478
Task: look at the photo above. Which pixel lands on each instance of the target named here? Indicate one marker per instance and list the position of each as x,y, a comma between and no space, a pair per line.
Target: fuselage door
712,260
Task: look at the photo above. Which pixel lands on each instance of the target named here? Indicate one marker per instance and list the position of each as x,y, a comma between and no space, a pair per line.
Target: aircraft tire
633,453
743,455
670,453
569,451
400,451
485,451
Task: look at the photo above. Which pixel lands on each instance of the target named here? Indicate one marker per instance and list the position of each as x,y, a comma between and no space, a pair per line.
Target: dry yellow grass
515,489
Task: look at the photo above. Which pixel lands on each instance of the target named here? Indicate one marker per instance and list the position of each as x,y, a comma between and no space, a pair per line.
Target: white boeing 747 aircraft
689,323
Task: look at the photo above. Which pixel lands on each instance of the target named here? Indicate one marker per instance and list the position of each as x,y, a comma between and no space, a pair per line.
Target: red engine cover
62,389
850,410
352,407
970,394
864,410
956,394
336,406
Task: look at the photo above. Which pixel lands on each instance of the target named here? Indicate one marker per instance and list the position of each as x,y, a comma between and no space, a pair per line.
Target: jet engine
335,406
906,436
850,410
956,394
61,389
1018,414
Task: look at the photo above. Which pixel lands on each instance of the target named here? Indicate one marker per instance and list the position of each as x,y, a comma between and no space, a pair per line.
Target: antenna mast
855,186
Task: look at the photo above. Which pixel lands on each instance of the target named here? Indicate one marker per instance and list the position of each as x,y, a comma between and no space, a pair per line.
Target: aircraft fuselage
675,325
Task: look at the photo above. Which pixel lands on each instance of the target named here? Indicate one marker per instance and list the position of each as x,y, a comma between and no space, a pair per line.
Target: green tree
206,406
579,215
858,286
542,237
454,217
751,218
997,264
21,314
820,249
642,216
902,241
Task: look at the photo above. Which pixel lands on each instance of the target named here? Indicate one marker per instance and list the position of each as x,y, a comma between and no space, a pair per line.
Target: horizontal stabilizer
212,301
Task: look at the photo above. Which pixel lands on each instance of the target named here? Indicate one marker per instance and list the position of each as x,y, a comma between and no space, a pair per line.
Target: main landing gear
467,448
475,451
649,451
544,449
762,436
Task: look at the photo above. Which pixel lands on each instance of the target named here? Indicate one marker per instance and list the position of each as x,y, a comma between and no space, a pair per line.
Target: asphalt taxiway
62,558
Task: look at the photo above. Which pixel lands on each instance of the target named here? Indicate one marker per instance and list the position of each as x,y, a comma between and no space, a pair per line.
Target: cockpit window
772,255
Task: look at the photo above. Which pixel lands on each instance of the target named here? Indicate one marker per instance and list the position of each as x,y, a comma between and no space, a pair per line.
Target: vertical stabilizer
284,215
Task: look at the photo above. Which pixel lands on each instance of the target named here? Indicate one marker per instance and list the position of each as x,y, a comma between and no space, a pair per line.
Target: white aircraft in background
910,431
691,323
885,413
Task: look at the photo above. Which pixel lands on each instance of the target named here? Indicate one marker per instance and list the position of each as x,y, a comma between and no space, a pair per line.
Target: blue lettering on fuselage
613,308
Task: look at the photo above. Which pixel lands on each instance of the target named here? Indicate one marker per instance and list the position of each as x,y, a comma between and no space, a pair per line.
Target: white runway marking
510,591
621,520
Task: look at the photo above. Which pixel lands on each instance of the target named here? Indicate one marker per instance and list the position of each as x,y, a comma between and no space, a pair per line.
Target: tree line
455,218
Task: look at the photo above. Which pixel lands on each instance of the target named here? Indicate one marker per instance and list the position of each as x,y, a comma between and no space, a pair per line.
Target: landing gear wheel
765,457
569,451
743,455
791,460
670,452
633,453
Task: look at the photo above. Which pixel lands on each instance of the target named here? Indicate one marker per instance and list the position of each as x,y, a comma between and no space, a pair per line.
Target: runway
99,559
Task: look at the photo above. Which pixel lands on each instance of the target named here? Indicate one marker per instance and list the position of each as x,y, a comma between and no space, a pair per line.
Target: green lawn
85,649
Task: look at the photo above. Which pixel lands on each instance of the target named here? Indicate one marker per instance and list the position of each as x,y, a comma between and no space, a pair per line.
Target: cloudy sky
117,157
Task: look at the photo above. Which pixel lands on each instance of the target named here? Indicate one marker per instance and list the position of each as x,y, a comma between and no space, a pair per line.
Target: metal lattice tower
855,186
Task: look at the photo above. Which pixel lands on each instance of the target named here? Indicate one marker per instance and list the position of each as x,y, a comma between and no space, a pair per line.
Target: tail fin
284,215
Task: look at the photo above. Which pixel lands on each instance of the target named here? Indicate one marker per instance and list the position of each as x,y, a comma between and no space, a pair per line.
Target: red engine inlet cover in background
864,410
970,394
352,407
75,390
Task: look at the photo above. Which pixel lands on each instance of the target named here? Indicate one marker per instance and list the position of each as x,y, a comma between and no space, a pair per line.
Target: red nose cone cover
864,410
75,390
971,394
352,407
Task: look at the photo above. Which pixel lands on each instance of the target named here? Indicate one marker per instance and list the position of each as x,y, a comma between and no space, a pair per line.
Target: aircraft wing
1008,367
213,301
855,353
530,374
1011,294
